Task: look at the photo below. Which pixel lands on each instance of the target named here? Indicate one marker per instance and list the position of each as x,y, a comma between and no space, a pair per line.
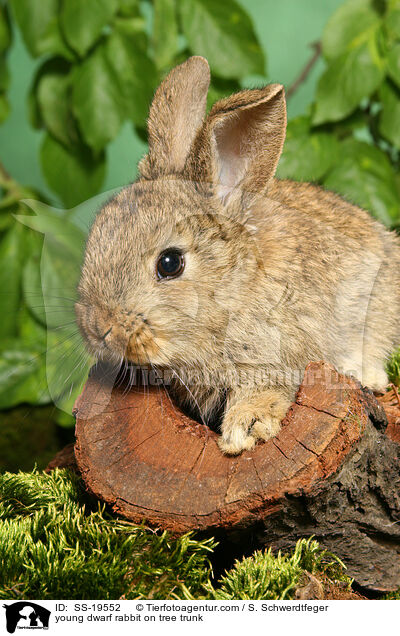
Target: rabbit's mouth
138,346
142,348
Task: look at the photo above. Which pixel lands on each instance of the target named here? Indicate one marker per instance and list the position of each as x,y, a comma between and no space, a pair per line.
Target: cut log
65,458
333,471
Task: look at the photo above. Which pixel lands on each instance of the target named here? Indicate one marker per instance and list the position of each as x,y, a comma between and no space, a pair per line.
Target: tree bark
331,472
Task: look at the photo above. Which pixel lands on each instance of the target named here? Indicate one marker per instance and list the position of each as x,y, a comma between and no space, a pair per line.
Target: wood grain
332,471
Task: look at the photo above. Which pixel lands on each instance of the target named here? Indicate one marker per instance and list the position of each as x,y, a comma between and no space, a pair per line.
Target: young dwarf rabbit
230,279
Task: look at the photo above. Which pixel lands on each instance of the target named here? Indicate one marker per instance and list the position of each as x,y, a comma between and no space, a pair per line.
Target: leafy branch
102,61
306,70
350,140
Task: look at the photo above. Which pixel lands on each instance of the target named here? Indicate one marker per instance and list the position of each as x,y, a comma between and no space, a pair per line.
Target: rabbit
211,269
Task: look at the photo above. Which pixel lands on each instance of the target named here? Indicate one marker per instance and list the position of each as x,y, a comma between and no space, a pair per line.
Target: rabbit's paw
246,421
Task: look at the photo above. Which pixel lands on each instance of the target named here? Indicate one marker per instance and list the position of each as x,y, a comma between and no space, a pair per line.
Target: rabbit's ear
241,141
176,114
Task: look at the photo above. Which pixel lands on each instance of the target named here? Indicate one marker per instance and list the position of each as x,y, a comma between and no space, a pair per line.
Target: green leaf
4,83
50,293
224,34
38,21
34,114
13,252
33,290
51,275
54,224
364,176
307,156
128,7
83,22
82,214
347,80
393,64
165,32
389,120
5,29
392,25
98,104
4,75
54,102
134,27
6,221
74,175
133,71
31,332
220,88
4,108
22,374
49,285
54,65
348,27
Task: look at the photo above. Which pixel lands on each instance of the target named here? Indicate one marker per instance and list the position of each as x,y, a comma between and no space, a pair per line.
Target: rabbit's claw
247,421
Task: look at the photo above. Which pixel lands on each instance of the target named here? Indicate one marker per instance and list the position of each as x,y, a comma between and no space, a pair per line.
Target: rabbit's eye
170,264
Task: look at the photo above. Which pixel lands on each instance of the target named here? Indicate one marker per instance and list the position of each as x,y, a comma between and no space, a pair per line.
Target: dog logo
26,615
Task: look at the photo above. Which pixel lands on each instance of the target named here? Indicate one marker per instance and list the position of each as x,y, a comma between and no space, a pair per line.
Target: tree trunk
332,472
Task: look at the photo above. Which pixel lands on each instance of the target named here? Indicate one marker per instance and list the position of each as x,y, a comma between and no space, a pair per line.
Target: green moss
393,367
57,542
393,596
268,576
54,544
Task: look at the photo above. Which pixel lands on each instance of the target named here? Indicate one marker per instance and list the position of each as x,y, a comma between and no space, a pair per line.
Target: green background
285,28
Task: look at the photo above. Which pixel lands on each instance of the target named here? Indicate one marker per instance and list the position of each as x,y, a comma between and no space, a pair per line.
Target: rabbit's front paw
246,421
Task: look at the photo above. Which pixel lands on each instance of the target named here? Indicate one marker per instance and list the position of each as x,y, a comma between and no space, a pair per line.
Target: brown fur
277,273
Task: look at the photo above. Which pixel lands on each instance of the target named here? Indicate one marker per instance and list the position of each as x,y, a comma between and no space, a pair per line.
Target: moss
393,596
268,576
57,542
393,367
